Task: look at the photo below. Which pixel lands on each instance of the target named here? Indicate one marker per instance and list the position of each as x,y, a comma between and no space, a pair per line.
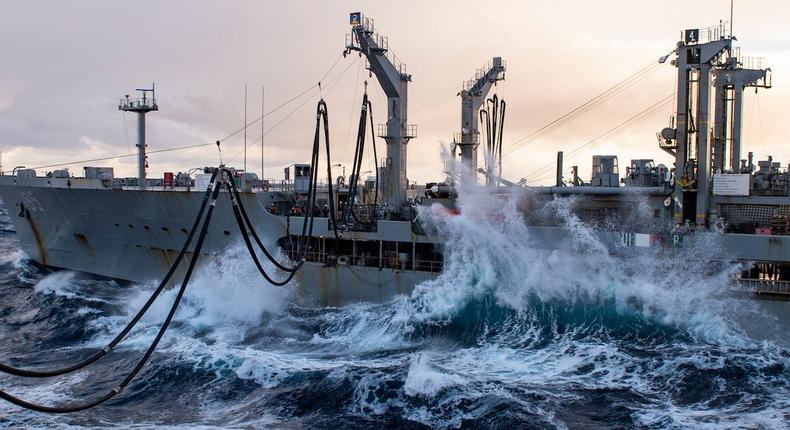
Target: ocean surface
510,336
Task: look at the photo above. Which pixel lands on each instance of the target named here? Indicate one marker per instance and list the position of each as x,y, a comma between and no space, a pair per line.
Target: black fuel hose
244,223
254,255
33,373
304,239
239,210
493,107
323,114
375,158
307,225
356,166
502,106
251,250
487,123
117,390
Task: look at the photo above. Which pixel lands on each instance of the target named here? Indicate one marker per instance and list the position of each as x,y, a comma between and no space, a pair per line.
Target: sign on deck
202,181
727,184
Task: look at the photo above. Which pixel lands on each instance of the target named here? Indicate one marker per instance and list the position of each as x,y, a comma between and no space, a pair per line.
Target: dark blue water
509,337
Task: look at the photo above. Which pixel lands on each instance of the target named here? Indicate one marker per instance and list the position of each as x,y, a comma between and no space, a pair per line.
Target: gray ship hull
136,235
124,234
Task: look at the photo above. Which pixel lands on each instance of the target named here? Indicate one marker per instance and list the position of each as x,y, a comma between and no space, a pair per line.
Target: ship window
183,230
131,226
147,227
227,233
117,225
165,229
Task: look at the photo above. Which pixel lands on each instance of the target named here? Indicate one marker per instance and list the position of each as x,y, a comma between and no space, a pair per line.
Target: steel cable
585,107
614,130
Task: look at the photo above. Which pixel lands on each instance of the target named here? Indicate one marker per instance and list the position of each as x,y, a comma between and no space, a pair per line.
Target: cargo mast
391,75
142,106
706,142
698,53
473,95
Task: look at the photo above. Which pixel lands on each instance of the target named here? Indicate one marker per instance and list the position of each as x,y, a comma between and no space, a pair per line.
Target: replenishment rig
368,243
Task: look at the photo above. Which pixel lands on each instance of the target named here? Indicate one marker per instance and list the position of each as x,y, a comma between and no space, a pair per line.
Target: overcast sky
66,64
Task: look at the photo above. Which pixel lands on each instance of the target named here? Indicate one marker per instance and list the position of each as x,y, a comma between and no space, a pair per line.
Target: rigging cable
331,85
117,390
351,118
585,107
612,131
199,145
646,113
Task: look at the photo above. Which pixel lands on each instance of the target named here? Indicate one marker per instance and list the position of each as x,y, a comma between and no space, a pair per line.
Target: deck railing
766,286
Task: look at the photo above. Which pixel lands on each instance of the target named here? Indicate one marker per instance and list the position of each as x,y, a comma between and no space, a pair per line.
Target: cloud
70,63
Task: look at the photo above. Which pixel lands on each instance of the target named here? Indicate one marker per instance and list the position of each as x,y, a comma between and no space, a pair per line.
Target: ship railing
407,131
381,42
385,262
352,42
766,286
751,63
368,24
314,257
137,103
432,266
277,185
712,34
288,186
481,73
395,61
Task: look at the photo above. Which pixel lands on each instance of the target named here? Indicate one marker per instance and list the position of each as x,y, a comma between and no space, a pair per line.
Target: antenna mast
245,127
142,106
263,95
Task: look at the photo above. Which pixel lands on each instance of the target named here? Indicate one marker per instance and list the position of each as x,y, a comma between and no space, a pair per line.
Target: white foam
59,283
426,380
489,251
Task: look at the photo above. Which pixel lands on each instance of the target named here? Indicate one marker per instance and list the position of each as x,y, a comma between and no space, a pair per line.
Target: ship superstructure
368,243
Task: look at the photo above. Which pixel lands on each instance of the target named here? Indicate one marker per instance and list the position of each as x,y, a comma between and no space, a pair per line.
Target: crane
473,96
391,75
